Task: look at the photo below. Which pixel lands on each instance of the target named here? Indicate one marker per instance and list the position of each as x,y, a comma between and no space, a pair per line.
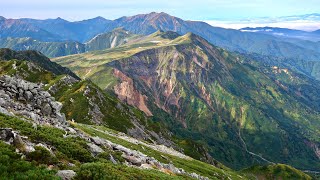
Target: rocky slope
22,98
243,111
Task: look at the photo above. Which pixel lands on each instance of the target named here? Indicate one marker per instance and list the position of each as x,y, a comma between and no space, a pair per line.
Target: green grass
73,149
107,170
32,74
278,171
12,166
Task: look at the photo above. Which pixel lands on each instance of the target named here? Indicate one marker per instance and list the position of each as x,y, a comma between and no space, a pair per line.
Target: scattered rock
66,174
46,110
113,160
133,160
94,149
6,135
71,130
18,142
28,95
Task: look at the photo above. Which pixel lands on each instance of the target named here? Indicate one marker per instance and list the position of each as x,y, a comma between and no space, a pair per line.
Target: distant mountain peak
99,18
159,14
155,15
150,16
60,19
96,19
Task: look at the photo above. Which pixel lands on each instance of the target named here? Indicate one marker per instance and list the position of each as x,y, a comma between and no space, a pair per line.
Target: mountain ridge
205,93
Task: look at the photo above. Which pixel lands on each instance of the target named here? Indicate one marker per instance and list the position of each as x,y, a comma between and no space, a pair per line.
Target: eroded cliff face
127,93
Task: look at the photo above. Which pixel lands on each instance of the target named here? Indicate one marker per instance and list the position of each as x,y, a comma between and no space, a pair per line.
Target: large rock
6,135
94,149
66,174
4,111
46,110
97,140
133,160
28,95
56,105
113,160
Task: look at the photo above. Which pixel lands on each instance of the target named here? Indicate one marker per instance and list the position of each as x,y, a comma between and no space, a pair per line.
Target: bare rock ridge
22,98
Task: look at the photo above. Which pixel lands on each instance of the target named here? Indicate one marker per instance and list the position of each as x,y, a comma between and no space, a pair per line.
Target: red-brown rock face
127,93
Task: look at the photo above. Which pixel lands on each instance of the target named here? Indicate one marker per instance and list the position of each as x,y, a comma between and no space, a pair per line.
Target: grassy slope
278,171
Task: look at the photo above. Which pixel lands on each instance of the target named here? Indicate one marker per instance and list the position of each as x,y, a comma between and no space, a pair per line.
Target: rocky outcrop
138,159
23,98
11,137
66,80
315,147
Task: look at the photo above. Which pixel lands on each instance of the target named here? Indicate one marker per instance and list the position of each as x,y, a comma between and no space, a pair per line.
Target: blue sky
186,9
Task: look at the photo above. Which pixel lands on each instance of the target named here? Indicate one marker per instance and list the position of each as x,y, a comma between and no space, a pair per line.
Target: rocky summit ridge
22,98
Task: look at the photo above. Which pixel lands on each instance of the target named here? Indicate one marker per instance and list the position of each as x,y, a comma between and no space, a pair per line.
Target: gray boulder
94,149
113,160
46,110
56,105
6,135
66,174
133,160
28,95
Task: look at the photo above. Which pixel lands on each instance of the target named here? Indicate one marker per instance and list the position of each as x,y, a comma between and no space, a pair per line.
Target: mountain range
153,96
62,48
291,51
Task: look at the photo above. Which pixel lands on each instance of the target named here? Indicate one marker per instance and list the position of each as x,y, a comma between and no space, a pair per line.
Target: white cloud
297,24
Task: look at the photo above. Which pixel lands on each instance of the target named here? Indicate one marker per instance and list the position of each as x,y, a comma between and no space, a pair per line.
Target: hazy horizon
187,9
228,14
291,22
